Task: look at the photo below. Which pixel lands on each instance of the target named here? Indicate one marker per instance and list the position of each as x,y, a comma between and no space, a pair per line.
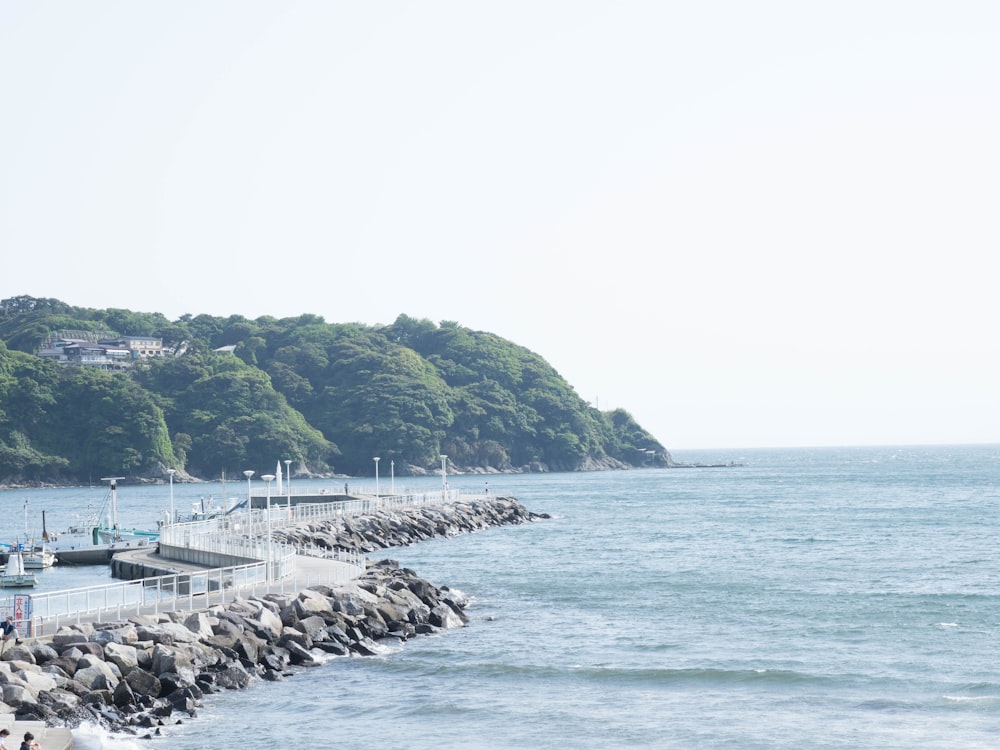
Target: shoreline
180,479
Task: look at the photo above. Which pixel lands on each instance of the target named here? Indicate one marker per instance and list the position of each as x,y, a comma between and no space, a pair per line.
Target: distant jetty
730,464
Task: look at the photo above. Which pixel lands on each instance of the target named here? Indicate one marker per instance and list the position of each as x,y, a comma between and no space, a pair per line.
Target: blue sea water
809,598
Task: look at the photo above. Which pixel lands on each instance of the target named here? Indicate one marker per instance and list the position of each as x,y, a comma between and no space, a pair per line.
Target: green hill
232,393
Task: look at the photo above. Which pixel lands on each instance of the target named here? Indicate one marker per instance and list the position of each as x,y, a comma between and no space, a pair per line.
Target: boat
81,531
87,541
14,576
35,557
112,533
38,557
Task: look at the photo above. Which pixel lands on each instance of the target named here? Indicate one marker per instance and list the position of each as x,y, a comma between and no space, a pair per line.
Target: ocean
807,598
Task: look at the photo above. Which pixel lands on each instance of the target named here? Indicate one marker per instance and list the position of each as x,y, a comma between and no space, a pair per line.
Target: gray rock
16,695
234,677
144,683
125,657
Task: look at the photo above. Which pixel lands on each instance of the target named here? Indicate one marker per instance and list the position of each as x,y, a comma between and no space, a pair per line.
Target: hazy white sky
748,224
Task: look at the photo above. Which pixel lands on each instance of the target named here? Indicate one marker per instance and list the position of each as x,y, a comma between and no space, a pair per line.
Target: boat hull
19,581
39,560
112,536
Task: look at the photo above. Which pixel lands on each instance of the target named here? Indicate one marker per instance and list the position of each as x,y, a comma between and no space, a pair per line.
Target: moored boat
112,533
14,576
38,557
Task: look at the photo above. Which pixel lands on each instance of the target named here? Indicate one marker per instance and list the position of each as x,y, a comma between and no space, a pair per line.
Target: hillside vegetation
329,396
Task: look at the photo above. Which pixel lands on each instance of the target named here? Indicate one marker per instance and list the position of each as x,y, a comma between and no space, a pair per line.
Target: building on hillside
115,353
140,347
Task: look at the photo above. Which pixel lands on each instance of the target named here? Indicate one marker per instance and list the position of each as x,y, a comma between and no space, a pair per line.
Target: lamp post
115,536
268,478
288,481
248,473
376,476
444,475
171,472
392,478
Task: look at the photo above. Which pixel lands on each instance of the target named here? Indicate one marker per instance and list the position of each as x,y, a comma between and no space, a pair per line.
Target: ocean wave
972,698
703,675
94,737
653,676
888,705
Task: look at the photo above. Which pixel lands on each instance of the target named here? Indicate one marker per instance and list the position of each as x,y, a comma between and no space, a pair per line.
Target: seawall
398,528
144,673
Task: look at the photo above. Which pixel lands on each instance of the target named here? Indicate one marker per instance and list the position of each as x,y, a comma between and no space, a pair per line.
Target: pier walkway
207,562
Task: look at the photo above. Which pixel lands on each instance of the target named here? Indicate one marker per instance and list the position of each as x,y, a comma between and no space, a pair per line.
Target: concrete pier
50,738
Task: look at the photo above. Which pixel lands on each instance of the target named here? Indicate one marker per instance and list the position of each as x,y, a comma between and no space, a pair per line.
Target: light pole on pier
249,473
376,476
288,480
115,536
444,475
171,472
392,478
268,478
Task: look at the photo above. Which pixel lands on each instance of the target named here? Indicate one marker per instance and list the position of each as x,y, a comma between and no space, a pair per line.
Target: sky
747,224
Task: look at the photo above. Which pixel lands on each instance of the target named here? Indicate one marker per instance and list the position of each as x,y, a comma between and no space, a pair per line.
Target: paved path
147,600
309,570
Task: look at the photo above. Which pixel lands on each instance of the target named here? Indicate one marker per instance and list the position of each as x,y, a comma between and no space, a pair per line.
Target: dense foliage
233,393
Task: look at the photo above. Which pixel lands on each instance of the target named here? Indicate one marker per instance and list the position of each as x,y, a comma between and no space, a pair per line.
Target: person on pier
9,631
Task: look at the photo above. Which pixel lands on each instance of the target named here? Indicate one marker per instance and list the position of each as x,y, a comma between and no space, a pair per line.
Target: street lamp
171,472
268,478
288,480
444,474
392,480
376,476
249,473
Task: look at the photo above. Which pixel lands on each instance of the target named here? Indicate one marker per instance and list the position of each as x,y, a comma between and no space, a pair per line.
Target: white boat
15,576
112,533
38,558
81,531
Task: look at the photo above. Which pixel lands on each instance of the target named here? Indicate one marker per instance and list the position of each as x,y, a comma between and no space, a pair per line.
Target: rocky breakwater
398,528
147,672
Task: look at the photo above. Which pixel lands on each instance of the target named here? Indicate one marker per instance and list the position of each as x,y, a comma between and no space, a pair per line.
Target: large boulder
200,624
144,683
16,694
96,677
125,657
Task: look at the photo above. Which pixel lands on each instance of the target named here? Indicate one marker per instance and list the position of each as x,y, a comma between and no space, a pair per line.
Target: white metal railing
364,488
249,525
143,596
189,591
236,535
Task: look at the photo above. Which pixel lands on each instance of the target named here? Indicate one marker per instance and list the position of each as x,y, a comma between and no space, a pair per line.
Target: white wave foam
970,698
94,737
324,657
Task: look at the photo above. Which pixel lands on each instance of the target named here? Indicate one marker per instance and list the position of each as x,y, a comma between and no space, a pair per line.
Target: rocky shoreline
147,672
398,528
